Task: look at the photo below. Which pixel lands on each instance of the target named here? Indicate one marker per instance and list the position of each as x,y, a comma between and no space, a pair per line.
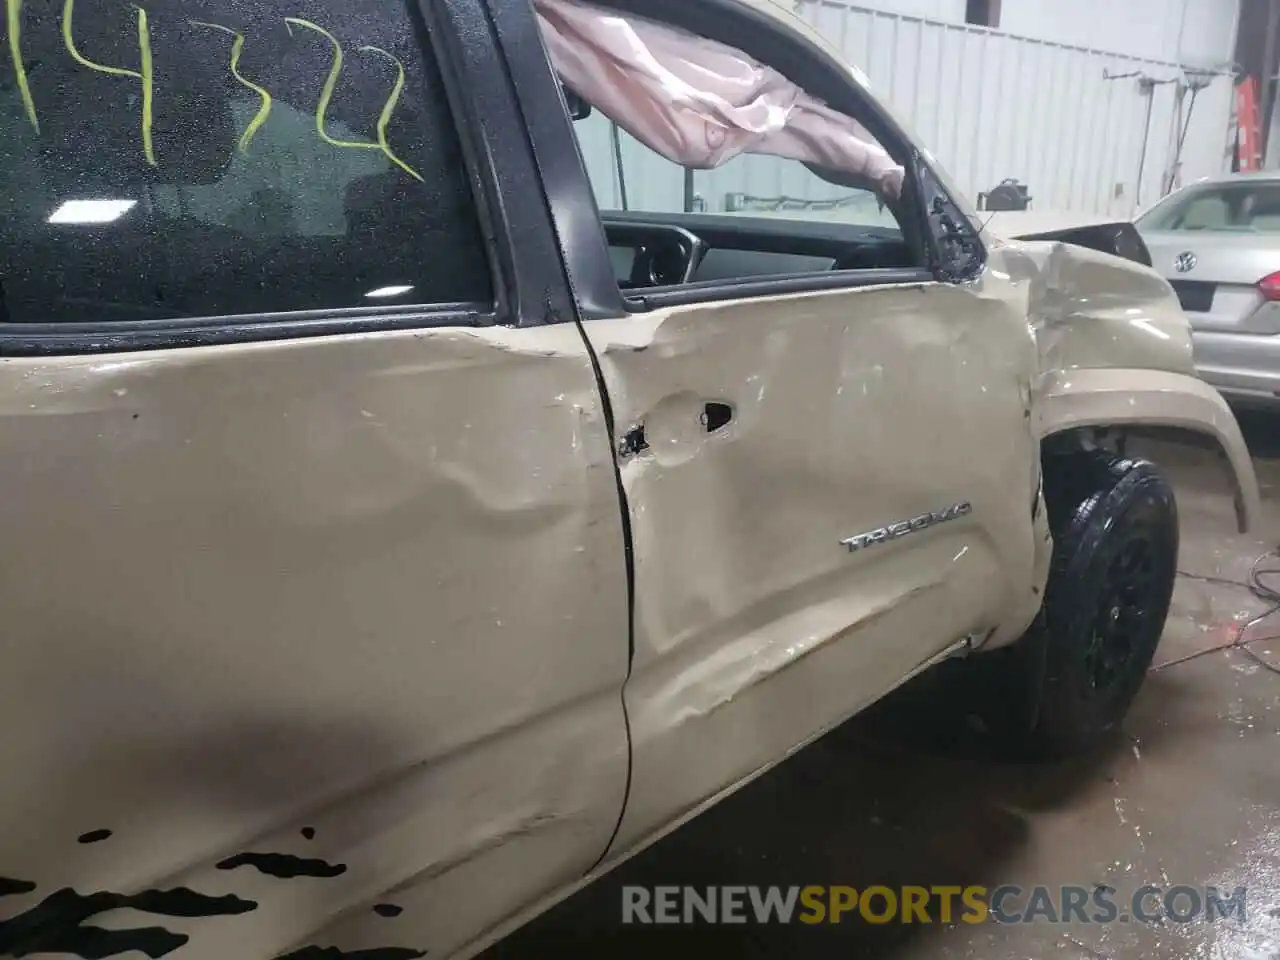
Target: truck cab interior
670,194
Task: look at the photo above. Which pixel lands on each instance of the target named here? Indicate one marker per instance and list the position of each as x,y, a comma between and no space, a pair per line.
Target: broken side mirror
959,252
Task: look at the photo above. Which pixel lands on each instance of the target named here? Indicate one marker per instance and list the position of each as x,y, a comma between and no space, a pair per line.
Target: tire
1115,528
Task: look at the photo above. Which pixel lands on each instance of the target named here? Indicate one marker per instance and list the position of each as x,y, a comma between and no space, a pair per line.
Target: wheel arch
1183,408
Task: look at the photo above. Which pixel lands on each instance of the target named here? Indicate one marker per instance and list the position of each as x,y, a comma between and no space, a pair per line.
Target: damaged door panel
783,576
756,627
314,579
405,564
291,634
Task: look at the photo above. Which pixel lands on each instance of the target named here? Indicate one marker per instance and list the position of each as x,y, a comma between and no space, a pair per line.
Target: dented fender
1091,310
1087,398
1115,350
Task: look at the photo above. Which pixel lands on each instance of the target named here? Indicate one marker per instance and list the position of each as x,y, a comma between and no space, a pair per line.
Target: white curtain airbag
697,102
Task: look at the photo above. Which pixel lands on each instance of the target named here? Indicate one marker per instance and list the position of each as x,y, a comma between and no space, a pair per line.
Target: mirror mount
578,108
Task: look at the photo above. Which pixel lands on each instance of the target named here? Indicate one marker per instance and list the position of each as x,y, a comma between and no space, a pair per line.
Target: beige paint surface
852,410
755,628
372,586
1115,349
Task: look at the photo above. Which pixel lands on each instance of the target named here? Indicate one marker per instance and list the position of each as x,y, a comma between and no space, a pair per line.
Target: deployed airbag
697,102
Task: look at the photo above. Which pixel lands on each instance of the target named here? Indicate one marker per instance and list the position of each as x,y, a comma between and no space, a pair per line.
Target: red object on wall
1249,132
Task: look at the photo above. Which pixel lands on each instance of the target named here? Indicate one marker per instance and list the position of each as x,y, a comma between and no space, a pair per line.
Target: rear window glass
239,157
1236,208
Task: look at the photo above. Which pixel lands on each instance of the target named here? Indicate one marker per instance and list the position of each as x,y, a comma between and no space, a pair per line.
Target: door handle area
675,428
715,415
633,442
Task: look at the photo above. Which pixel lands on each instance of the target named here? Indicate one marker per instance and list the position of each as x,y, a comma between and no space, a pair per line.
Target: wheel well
1118,438
1145,441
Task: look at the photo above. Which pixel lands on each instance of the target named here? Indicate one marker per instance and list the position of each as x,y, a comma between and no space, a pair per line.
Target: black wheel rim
1129,595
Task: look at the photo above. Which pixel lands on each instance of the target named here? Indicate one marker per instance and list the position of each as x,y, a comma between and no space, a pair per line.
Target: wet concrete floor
1188,794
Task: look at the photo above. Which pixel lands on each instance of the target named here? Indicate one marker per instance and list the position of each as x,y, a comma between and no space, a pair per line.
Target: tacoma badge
896,530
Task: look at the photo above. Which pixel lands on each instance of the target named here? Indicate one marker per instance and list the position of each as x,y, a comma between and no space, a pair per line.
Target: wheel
1070,679
1115,528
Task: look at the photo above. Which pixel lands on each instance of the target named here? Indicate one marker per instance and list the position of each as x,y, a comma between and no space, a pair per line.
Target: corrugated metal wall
989,105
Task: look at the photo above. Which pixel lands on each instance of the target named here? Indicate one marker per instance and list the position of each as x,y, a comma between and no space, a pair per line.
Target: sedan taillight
1269,286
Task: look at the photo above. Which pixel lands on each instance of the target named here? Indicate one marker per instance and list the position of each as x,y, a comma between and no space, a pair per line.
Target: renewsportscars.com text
934,904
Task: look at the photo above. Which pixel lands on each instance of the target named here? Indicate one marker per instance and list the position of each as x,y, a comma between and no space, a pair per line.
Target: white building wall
1197,31
993,105
950,11
1059,94
1044,108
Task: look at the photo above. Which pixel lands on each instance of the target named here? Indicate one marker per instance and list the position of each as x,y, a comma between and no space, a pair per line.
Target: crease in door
628,546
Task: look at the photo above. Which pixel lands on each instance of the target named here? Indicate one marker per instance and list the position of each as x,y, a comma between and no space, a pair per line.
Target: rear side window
194,159
1231,208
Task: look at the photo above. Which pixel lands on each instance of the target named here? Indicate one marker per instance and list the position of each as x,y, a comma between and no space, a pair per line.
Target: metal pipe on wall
1148,87
616,137
1267,79
1182,28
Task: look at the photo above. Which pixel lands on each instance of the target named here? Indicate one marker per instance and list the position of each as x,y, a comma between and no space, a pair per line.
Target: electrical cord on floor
1265,664
1257,585
1270,594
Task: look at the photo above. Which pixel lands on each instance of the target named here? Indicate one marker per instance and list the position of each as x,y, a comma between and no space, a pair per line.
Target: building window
984,13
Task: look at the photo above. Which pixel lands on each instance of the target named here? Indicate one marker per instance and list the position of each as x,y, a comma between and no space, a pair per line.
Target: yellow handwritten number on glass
331,84
13,17
389,109
264,111
146,76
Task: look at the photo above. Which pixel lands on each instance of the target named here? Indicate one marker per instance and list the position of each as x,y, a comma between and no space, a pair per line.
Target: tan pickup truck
416,500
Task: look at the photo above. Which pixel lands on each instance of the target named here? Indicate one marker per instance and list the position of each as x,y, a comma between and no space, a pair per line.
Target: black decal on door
11,888
333,953
56,924
284,866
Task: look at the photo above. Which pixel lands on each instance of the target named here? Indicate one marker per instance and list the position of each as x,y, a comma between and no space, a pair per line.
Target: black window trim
121,336
496,177
565,188
488,115
578,218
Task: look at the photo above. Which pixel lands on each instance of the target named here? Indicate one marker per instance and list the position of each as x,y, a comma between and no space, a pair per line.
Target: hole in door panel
716,415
